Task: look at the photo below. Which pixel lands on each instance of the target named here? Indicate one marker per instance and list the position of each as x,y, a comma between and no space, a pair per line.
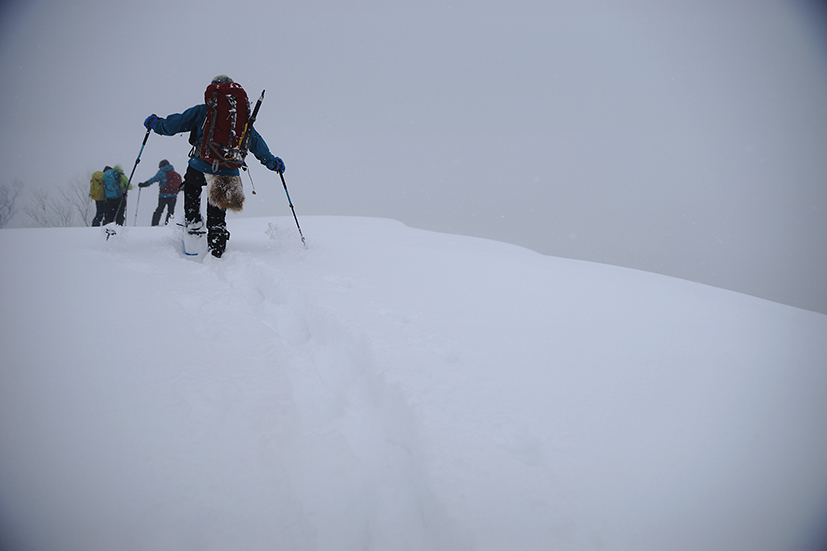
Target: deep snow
393,388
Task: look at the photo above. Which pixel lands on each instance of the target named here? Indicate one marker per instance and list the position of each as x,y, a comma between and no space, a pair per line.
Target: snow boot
195,227
217,241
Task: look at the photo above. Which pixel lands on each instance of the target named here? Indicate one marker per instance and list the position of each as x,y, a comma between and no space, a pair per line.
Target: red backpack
228,111
173,184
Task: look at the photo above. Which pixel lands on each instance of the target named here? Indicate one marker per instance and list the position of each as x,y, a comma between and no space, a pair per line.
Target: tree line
60,206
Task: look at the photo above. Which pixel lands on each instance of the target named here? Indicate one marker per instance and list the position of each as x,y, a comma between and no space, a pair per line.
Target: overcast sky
686,137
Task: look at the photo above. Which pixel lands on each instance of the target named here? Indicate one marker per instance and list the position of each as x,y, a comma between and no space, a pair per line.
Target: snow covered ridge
392,388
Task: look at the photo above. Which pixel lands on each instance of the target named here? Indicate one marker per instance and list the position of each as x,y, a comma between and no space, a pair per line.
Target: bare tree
71,207
76,197
39,208
8,197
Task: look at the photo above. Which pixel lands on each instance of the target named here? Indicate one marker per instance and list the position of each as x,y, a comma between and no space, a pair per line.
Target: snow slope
392,388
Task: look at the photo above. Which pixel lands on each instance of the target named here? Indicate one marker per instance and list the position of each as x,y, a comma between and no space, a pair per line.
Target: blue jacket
193,119
161,178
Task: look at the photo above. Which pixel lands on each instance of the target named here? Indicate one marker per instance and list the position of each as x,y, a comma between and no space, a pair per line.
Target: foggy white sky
687,138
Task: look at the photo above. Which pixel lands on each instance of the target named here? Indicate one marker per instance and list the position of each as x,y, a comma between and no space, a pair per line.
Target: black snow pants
217,234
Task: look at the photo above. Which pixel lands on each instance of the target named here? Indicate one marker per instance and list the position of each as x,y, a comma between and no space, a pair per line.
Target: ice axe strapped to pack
248,129
245,140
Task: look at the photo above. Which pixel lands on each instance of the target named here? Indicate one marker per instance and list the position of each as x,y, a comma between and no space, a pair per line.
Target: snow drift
392,388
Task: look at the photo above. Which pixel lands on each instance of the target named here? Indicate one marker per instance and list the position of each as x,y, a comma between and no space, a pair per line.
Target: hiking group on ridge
221,133
108,190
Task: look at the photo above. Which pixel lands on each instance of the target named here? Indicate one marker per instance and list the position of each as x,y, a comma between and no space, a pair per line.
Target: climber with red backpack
221,135
169,184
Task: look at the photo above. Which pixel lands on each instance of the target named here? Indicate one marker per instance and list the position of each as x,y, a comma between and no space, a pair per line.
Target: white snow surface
389,388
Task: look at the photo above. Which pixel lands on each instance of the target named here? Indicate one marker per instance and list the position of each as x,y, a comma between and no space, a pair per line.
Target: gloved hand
150,120
143,184
276,164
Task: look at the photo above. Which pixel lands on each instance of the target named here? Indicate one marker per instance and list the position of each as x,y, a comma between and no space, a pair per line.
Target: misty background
687,138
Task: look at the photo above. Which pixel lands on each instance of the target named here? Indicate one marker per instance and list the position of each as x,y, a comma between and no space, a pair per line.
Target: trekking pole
137,202
138,160
281,174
